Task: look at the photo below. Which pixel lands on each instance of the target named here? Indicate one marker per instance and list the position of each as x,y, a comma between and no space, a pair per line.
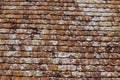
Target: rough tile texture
59,39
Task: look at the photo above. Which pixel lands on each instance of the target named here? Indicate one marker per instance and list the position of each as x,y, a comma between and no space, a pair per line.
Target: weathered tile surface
59,39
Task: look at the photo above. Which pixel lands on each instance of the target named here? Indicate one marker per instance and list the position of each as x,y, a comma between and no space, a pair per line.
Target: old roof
59,39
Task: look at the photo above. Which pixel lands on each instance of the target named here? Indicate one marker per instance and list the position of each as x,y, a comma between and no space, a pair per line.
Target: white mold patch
95,44
44,31
71,8
35,42
89,38
28,73
61,54
37,73
45,66
2,42
90,1
77,73
26,60
28,48
10,53
54,42
13,36
24,3
12,7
